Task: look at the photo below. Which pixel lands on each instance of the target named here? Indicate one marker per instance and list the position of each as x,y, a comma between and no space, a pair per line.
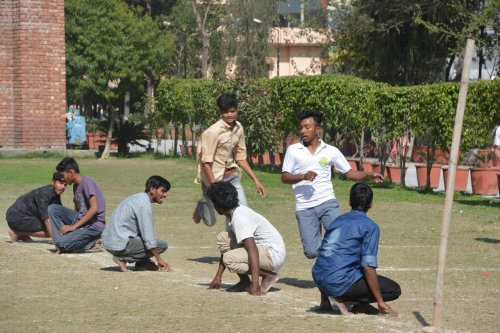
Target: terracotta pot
368,166
461,177
394,173
484,180
422,175
376,167
353,163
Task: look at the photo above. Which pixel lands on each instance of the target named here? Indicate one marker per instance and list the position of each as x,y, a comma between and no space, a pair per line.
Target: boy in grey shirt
129,235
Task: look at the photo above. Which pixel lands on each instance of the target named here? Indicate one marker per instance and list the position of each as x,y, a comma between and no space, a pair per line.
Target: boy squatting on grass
345,268
78,229
249,246
29,216
129,234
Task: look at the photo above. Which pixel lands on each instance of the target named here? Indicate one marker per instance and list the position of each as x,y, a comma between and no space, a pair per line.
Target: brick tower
32,75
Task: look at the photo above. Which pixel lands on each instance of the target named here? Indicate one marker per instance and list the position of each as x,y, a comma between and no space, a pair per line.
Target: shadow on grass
421,319
479,202
488,240
206,260
333,311
298,283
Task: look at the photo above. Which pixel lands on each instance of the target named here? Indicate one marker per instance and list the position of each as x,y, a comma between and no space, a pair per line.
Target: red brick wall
32,74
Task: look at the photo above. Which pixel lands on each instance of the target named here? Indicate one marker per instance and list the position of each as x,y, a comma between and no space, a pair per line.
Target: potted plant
461,174
484,179
428,173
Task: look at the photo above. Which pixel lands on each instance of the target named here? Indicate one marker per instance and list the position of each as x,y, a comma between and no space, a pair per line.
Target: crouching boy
250,246
345,268
129,234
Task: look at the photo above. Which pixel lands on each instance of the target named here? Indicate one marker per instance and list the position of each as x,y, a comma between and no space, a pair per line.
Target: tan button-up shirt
222,146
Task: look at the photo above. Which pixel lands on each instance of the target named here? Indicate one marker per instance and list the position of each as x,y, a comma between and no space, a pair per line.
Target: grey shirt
133,217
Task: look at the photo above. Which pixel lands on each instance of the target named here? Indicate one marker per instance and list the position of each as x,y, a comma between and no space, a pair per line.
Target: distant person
28,216
345,268
78,229
129,234
496,143
308,167
250,246
222,151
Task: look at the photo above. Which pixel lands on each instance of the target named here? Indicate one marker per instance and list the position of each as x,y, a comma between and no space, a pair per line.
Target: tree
108,50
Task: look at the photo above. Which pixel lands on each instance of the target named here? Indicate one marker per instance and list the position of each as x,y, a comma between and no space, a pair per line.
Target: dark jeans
359,292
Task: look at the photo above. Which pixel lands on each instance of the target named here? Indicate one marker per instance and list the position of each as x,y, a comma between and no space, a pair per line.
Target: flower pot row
484,181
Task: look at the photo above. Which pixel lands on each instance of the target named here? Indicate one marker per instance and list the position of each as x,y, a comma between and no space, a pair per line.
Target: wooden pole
450,187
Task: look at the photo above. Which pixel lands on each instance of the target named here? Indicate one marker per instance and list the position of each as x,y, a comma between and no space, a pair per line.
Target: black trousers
359,292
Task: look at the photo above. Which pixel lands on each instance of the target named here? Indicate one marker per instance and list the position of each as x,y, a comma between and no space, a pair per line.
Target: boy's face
309,130
158,194
59,186
229,115
68,176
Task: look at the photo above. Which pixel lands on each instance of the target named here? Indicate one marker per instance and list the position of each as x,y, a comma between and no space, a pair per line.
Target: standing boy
307,166
222,150
29,216
78,229
129,234
250,246
345,268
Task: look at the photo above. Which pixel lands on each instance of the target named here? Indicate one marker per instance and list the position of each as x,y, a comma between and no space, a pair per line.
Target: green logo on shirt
323,162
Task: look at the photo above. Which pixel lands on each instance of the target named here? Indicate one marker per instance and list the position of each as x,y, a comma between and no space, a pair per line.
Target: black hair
223,195
308,113
361,197
57,176
157,182
66,164
226,101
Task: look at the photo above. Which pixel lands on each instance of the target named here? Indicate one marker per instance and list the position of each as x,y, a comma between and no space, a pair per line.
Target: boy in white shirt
250,246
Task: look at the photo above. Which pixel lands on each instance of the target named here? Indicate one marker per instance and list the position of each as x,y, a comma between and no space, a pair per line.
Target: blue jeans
206,207
136,251
82,238
310,221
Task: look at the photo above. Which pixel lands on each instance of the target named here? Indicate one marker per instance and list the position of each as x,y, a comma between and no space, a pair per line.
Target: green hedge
267,108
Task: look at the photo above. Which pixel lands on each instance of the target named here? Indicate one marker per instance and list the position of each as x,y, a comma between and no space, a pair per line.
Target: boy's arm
372,280
207,167
217,280
248,170
288,178
362,175
253,262
93,209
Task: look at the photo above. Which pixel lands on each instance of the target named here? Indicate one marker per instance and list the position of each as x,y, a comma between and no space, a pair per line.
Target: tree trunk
205,38
109,137
149,109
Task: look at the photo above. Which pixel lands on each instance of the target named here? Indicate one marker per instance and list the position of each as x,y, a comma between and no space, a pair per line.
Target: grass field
43,292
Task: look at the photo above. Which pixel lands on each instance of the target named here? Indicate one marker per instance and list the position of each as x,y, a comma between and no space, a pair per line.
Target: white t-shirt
299,160
247,223
496,141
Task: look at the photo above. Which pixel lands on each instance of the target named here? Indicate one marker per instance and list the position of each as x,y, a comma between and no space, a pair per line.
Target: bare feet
122,265
242,286
13,236
196,216
341,306
365,309
268,280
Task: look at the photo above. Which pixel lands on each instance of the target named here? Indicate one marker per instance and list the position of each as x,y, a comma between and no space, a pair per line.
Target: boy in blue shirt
345,268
